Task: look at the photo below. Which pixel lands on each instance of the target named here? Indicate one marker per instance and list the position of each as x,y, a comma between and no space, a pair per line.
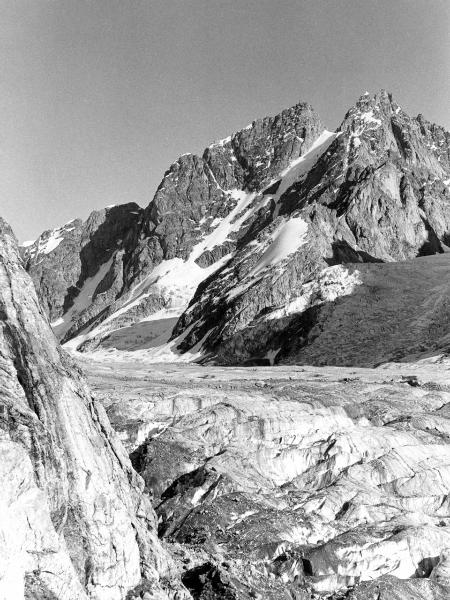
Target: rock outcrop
74,523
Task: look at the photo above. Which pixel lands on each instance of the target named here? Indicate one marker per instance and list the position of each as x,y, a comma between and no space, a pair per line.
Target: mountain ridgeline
265,248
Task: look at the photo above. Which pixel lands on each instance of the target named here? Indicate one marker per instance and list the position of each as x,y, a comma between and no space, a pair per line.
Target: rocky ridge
75,523
201,209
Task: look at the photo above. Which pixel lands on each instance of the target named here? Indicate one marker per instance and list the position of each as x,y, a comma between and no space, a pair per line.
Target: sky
99,97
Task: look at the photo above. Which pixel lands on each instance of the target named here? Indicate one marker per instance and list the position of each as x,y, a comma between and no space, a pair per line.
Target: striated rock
74,522
441,572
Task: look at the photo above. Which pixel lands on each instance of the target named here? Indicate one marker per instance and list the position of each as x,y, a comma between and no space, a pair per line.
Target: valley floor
292,482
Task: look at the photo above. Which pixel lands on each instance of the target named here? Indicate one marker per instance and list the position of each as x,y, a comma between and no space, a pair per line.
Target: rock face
74,523
253,227
288,482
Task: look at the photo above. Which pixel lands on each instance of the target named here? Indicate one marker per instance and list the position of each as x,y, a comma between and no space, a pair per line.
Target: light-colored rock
73,521
441,572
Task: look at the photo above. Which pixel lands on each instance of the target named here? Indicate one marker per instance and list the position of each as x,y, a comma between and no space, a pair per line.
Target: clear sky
99,97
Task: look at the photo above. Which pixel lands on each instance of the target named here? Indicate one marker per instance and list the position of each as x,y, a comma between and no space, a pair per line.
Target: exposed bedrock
74,523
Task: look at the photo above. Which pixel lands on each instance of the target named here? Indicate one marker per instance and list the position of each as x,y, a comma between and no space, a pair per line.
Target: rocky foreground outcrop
73,521
249,228
293,483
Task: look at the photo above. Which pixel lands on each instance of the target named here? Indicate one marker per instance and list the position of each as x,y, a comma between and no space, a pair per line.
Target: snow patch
51,243
332,283
58,322
286,240
271,355
221,142
368,117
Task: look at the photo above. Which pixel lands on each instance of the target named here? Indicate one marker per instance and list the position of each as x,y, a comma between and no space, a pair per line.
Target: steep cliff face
249,228
74,522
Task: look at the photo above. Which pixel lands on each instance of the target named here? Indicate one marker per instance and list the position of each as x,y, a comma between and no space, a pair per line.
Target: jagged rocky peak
74,524
253,156
377,124
376,191
197,191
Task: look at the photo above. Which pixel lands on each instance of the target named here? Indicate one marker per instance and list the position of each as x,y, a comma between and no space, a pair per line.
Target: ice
51,243
27,243
161,350
332,283
368,117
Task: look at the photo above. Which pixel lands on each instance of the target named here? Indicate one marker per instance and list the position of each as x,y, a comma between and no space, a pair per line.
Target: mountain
252,240
74,521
